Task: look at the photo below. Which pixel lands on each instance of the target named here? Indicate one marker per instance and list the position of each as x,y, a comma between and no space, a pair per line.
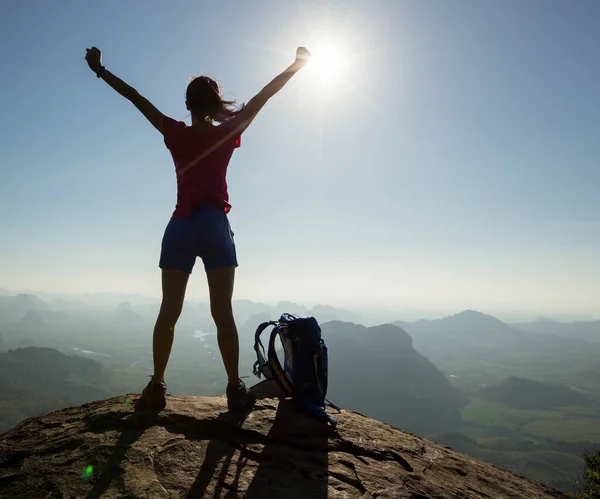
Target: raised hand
302,56
93,57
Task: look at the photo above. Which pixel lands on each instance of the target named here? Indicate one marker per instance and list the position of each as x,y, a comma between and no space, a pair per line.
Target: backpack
304,373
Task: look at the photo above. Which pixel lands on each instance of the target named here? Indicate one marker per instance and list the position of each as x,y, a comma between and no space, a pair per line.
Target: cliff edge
195,449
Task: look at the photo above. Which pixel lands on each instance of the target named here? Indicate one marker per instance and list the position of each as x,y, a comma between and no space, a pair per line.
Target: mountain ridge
367,366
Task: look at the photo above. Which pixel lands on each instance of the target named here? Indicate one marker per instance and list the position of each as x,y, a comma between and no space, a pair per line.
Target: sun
329,65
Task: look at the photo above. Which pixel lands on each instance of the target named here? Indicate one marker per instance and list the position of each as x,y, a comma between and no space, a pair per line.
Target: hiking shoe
239,398
154,396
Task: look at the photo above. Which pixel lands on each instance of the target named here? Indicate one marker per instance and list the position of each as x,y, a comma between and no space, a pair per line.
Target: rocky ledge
195,449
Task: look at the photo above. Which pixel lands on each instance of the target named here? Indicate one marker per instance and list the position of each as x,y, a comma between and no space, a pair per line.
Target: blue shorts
205,234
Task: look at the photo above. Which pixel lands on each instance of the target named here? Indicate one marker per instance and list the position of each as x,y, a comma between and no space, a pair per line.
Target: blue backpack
304,373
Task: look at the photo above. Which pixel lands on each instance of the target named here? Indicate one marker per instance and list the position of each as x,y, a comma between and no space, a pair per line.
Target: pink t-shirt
201,160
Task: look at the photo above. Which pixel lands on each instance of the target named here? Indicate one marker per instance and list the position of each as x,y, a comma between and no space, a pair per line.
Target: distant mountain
588,331
27,302
292,308
377,371
130,319
55,317
469,326
244,309
126,318
523,393
472,332
124,306
36,380
256,320
32,319
110,298
469,336
326,313
194,315
14,308
476,350
250,315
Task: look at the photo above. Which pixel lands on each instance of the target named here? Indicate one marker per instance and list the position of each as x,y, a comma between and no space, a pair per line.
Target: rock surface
194,449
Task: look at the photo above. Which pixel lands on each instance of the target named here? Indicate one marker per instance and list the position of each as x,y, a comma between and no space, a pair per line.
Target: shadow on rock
287,460
132,428
294,461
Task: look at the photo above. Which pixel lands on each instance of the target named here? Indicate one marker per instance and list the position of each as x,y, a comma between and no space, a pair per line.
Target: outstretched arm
94,59
250,110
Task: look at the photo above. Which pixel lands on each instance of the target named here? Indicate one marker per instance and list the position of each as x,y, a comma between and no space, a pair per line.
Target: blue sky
455,164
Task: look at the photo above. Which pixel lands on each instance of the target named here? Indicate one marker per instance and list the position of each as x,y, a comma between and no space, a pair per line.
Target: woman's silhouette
199,226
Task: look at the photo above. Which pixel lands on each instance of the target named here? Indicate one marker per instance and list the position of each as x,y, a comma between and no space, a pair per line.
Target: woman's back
201,159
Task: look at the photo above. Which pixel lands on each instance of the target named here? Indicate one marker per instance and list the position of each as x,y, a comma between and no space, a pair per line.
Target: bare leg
174,283
220,285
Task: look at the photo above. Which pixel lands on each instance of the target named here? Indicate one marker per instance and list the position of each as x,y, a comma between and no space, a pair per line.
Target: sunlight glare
329,65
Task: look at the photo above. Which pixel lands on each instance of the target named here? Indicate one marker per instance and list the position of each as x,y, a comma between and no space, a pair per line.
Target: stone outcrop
195,449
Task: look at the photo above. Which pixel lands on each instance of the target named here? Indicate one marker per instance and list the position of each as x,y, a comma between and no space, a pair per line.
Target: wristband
101,71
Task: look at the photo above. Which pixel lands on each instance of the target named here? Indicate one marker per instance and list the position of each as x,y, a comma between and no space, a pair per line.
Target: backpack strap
275,366
332,405
315,411
261,364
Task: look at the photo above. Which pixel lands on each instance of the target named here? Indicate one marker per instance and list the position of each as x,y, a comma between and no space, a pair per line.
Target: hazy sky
454,162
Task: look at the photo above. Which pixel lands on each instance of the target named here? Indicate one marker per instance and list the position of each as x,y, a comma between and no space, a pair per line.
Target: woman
199,226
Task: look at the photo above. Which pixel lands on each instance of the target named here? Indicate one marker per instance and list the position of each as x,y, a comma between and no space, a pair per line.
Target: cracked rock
106,449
